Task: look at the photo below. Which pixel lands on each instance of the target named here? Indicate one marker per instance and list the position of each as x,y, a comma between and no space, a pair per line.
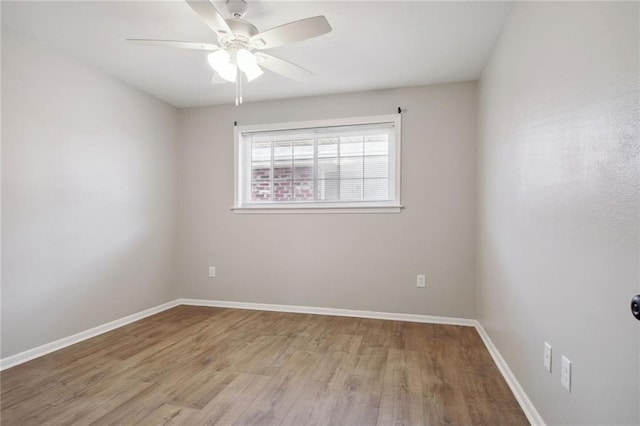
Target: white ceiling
373,45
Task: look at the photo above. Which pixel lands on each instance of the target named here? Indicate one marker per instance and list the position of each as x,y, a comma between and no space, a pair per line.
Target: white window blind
352,163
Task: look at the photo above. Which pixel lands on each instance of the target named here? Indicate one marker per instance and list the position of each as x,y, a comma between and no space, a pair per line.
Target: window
337,165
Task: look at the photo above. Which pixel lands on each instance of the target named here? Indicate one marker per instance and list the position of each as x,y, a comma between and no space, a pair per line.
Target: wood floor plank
314,406
401,401
442,373
360,401
167,414
135,409
231,402
318,399
356,408
85,411
368,373
273,403
200,365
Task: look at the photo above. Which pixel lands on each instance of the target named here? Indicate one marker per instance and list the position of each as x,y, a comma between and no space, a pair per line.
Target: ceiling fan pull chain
237,88
240,80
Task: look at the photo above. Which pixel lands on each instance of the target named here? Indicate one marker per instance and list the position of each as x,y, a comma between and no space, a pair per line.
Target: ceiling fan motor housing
241,31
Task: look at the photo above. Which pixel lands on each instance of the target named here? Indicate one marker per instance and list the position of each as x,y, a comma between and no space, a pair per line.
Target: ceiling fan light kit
248,63
234,58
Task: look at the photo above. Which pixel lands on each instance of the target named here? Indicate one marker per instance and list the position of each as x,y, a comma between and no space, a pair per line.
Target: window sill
316,209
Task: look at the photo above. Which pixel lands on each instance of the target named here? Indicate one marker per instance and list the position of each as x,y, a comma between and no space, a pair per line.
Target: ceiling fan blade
290,33
174,43
282,67
210,15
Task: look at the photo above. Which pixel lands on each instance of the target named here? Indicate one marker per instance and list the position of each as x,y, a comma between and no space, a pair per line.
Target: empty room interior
320,212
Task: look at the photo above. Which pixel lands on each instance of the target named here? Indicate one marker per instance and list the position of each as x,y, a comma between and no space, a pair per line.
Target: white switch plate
212,271
565,373
421,282
547,356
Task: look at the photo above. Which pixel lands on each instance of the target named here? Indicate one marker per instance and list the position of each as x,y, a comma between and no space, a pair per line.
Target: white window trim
394,206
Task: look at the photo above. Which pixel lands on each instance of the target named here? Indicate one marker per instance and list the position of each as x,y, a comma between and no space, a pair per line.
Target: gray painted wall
350,261
88,197
559,176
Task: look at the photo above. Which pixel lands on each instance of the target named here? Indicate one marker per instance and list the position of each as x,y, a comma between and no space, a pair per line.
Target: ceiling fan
239,54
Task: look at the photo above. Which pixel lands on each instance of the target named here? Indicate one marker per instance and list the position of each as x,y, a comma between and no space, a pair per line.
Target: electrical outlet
565,373
212,271
421,281
547,356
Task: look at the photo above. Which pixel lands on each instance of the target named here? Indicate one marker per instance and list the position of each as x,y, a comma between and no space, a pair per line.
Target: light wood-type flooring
198,365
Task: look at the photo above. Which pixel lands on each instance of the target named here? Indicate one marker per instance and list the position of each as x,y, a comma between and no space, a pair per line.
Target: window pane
303,150
282,151
376,189
327,168
260,151
260,171
327,147
351,189
351,146
282,170
303,170
376,145
303,190
261,191
328,189
376,167
351,168
282,191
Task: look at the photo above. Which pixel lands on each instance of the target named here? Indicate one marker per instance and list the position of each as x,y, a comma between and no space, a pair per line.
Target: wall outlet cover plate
565,373
547,356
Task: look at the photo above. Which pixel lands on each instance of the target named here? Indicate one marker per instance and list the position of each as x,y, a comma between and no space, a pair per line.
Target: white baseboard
28,355
330,311
523,399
